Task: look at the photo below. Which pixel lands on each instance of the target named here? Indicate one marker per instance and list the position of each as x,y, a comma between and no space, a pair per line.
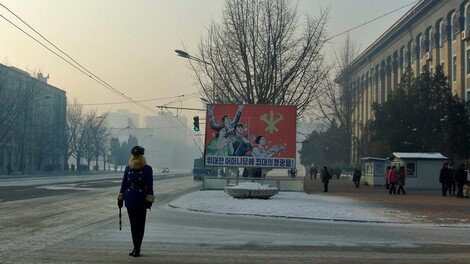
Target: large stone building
33,123
433,32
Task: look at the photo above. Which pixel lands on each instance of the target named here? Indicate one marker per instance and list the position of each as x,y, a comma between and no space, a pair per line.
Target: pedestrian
137,193
9,169
311,172
387,184
293,172
325,177
357,177
452,188
460,178
401,180
445,178
315,172
392,179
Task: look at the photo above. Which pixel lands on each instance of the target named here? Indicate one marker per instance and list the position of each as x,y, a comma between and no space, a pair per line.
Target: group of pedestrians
452,180
394,178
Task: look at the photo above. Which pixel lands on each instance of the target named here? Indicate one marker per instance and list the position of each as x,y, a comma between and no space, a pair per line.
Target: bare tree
18,93
83,129
14,100
262,53
339,101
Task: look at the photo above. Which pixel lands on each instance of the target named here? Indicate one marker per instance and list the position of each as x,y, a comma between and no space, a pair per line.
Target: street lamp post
120,130
143,140
188,56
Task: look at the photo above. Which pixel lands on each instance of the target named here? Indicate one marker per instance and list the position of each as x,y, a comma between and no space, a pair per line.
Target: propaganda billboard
250,136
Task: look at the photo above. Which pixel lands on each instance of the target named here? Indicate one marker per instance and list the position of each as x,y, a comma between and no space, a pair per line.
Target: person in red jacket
392,179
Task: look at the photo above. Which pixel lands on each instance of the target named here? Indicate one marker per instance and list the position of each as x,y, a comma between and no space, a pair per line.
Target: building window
410,52
410,169
372,78
467,20
454,68
422,48
402,59
454,27
468,61
442,35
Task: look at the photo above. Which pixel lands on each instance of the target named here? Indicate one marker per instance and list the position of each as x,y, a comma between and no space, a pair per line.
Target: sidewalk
428,205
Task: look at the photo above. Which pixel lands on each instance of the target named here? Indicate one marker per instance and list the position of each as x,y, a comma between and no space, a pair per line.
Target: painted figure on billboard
261,150
264,136
226,120
241,144
220,145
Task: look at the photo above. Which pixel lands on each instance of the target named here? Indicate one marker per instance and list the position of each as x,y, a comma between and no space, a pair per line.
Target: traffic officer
137,193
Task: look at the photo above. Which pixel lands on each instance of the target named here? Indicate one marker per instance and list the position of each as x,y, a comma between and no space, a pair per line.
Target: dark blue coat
136,186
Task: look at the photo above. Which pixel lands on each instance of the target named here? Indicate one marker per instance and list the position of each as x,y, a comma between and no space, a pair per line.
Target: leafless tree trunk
263,53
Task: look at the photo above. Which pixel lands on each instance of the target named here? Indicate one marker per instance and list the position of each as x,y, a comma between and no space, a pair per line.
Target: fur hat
137,150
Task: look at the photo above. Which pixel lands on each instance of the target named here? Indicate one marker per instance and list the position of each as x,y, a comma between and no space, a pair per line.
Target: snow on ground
285,204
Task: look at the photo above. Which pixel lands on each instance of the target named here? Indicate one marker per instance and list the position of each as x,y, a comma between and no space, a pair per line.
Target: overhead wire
77,65
87,72
108,86
146,100
370,21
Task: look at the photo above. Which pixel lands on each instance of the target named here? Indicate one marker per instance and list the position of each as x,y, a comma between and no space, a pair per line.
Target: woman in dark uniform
137,192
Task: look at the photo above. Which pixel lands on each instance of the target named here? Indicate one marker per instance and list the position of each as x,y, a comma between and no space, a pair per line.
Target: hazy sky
130,43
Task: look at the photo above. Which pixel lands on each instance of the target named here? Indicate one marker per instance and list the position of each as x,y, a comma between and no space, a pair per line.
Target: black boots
135,253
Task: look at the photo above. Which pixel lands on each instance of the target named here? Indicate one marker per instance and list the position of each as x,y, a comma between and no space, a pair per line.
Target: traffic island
251,190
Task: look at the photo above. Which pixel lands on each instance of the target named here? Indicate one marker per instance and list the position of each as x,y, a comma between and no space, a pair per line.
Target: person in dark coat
445,178
452,186
325,177
311,172
357,177
401,180
460,178
137,193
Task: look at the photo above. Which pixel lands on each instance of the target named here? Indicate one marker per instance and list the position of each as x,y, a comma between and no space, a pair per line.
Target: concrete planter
251,191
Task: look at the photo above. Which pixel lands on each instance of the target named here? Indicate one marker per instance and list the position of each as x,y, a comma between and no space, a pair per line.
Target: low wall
283,183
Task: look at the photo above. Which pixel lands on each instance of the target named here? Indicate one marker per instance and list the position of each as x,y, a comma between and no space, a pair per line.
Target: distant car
165,170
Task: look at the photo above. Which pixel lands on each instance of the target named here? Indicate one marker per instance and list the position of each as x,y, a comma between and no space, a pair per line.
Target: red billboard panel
250,136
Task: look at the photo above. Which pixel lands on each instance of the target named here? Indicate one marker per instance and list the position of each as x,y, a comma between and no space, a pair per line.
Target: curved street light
188,56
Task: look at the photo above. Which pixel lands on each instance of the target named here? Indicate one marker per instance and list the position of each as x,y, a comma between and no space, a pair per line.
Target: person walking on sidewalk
452,184
357,177
401,180
460,178
137,193
325,178
392,179
387,184
445,178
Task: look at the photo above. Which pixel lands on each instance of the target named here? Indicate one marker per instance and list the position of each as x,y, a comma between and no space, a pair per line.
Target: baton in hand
120,219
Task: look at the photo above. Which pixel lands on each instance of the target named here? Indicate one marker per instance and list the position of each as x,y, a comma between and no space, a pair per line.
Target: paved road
21,187
81,227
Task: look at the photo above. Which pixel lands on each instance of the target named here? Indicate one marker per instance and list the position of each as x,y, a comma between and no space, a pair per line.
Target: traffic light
196,123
